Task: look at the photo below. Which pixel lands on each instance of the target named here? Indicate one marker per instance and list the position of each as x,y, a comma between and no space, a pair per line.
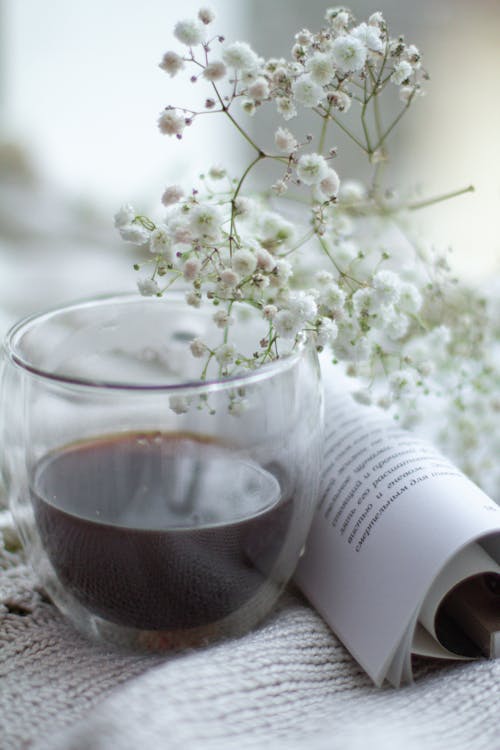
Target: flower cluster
233,249
347,272
343,63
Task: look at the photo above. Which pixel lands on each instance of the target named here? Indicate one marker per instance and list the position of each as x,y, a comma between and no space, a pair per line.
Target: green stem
369,148
378,119
232,228
226,328
272,341
204,371
258,158
341,273
226,111
348,132
379,167
439,198
324,128
393,124
309,235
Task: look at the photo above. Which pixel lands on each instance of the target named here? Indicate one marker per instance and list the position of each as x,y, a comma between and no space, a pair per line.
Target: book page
392,512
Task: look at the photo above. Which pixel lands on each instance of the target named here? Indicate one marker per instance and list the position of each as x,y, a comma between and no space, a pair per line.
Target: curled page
393,519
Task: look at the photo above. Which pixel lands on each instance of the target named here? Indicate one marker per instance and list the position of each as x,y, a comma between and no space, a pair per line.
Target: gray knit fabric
288,684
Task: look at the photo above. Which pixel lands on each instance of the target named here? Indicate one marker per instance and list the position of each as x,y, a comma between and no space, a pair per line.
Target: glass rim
262,373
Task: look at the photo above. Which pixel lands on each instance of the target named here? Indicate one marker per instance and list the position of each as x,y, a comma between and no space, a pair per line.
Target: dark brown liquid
159,531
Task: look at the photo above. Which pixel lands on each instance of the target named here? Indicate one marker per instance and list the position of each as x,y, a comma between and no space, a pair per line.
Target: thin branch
439,198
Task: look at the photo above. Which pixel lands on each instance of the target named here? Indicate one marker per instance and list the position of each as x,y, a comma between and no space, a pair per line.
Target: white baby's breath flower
171,122
240,56
193,299
329,185
283,270
397,327
410,299
260,280
304,38
160,243
259,89
287,324
244,207
198,348
402,71
286,107
148,287
265,260
349,54
222,319
340,100
125,215
323,278
408,92
135,233
338,18
205,222
320,68
306,91
302,305
352,191
439,338
171,63
298,52
229,277
217,172
332,298
326,332
182,234
172,194
274,231
189,32
247,77
225,354
412,54
279,187
312,168
387,287
279,72
206,15
244,262
214,70
403,382
191,269
269,311
351,344
248,107
369,36
377,19
285,140
179,404
363,302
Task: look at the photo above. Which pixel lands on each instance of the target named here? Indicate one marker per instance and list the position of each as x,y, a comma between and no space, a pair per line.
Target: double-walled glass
158,509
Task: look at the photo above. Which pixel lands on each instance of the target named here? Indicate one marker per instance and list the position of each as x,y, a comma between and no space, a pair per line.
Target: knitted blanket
288,684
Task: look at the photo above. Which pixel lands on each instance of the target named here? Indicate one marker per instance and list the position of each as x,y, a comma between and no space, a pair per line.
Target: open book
404,551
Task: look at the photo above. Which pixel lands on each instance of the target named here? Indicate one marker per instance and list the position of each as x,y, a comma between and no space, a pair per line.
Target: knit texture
289,684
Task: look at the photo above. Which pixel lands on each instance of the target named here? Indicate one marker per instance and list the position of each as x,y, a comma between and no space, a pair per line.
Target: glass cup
158,509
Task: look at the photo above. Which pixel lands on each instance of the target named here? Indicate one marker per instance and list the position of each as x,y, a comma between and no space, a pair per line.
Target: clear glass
158,510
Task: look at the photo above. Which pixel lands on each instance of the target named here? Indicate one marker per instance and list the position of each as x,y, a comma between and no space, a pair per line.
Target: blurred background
80,91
